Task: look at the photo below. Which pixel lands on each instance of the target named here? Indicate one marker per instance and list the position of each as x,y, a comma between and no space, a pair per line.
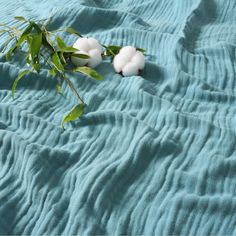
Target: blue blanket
154,154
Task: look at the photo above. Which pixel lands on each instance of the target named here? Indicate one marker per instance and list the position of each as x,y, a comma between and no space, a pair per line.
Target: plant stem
71,85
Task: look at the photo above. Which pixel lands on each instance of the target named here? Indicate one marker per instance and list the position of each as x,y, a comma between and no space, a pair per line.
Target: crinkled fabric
155,154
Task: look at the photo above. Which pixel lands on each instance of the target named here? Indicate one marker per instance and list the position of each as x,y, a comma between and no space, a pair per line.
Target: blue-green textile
154,154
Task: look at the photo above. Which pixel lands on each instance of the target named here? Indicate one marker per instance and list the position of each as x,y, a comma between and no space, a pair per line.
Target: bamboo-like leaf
36,27
35,45
59,89
69,49
47,42
24,35
19,77
89,72
141,50
75,113
79,55
112,50
52,72
62,58
57,62
10,52
20,18
61,44
73,31
36,67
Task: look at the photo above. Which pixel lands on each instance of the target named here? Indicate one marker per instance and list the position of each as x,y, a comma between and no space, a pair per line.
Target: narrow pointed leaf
112,50
59,89
69,49
19,77
52,72
61,44
75,113
82,56
10,52
35,45
73,31
57,62
20,18
62,58
141,50
89,72
36,27
46,42
24,35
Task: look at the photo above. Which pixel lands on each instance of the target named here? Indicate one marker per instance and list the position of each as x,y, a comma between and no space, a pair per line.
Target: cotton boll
82,44
119,62
128,51
128,61
79,61
95,58
94,44
130,69
138,59
91,47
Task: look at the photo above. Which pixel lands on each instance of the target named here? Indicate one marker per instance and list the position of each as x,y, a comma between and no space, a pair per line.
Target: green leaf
62,58
37,67
19,77
52,72
83,56
57,62
24,35
36,27
35,45
10,52
20,18
75,113
69,49
59,89
73,31
88,71
112,50
141,50
46,42
61,44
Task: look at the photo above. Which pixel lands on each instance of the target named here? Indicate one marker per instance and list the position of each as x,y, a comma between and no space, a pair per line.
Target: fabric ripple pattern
154,154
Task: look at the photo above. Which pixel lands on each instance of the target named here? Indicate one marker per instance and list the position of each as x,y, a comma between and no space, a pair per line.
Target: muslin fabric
154,154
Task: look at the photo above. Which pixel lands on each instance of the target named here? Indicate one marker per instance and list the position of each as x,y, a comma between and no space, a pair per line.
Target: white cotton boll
128,61
130,69
138,59
95,58
79,61
91,47
128,51
94,44
119,62
82,44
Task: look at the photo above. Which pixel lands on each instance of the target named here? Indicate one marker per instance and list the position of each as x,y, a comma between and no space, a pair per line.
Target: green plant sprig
45,49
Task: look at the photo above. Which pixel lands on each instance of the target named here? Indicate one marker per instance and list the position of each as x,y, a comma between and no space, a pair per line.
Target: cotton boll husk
138,59
94,44
95,58
119,62
130,69
82,44
128,52
79,61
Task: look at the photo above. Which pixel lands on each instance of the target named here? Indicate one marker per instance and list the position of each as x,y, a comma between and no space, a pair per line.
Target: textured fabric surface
154,154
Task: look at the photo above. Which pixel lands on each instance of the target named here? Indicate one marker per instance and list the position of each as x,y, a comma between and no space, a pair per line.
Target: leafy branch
35,41
45,49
